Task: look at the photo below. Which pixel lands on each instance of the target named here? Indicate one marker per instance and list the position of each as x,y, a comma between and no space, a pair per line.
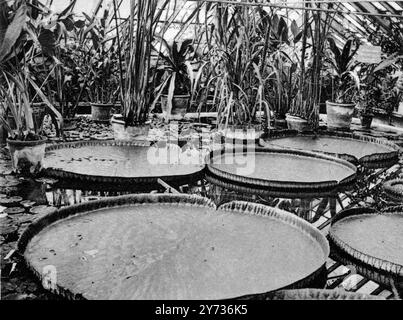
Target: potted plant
69,84
378,90
102,81
135,88
369,97
237,72
282,69
283,86
25,142
173,77
304,110
391,96
368,100
345,83
391,42
55,62
18,91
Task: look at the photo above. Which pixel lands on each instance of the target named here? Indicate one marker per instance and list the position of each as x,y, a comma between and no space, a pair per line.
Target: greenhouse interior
156,150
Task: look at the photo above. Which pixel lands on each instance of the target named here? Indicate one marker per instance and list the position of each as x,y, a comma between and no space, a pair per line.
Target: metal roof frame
366,13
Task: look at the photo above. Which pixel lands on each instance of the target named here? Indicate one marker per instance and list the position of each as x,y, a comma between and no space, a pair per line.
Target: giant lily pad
394,189
282,173
366,151
173,247
371,241
115,162
320,294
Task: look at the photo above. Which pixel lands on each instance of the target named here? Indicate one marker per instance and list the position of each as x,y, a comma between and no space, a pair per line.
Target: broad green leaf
47,40
387,63
170,96
67,10
79,24
45,100
13,32
68,23
294,28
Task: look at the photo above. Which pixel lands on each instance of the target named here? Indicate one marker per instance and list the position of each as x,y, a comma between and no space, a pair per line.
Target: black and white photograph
201,155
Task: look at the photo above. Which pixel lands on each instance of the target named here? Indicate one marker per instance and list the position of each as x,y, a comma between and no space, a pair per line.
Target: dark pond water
48,191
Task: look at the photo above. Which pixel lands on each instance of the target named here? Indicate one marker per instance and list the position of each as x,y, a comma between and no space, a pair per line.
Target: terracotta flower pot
366,120
280,122
180,105
27,156
70,123
129,133
101,112
251,132
297,123
339,116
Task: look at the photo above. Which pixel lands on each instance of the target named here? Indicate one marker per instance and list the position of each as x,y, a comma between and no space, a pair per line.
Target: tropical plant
39,48
391,42
103,62
69,82
198,75
316,27
237,73
16,100
346,83
389,39
64,52
370,94
283,83
378,86
173,73
12,23
369,98
137,44
54,46
282,62
391,96
275,30
18,48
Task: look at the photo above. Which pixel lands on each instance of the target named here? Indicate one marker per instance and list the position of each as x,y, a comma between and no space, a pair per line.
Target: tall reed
315,33
136,90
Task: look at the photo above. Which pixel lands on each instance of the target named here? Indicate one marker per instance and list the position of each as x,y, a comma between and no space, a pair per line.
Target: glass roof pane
351,22
86,6
379,6
354,22
395,6
349,6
